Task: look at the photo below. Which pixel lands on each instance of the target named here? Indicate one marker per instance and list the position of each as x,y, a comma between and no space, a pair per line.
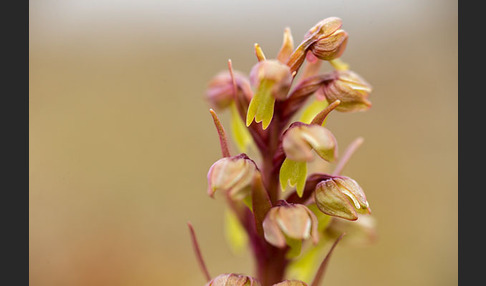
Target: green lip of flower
272,80
341,197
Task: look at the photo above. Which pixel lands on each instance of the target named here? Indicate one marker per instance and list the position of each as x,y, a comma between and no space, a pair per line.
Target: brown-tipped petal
330,47
272,232
287,47
331,201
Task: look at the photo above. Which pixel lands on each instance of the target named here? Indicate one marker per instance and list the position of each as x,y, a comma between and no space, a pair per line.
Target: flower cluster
283,212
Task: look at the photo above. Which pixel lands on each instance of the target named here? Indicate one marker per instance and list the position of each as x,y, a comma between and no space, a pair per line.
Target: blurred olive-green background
121,139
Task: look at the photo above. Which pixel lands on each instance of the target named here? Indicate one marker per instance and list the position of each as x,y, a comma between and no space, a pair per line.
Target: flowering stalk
288,217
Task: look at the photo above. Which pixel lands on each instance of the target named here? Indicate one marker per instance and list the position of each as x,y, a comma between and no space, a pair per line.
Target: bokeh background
121,138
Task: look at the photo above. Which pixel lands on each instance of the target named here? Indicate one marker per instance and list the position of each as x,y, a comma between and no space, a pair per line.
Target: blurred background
121,138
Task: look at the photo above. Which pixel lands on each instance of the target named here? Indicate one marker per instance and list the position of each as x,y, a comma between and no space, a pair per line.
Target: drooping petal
293,173
261,106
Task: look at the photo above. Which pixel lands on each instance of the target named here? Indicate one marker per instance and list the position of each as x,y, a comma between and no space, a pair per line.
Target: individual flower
342,197
289,221
232,279
324,28
233,175
220,91
300,139
325,40
352,90
298,142
329,47
272,80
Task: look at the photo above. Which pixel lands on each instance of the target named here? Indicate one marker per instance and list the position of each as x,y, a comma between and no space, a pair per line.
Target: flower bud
341,197
352,90
291,283
232,279
272,80
361,232
220,91
324,28
329,47
232,174
293,221
300,139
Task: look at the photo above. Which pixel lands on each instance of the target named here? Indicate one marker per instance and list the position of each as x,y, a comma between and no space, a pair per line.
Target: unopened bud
293,221
330,47
341,197
232,279
291,283
300,139
233,175
220,91
324,28
352,90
